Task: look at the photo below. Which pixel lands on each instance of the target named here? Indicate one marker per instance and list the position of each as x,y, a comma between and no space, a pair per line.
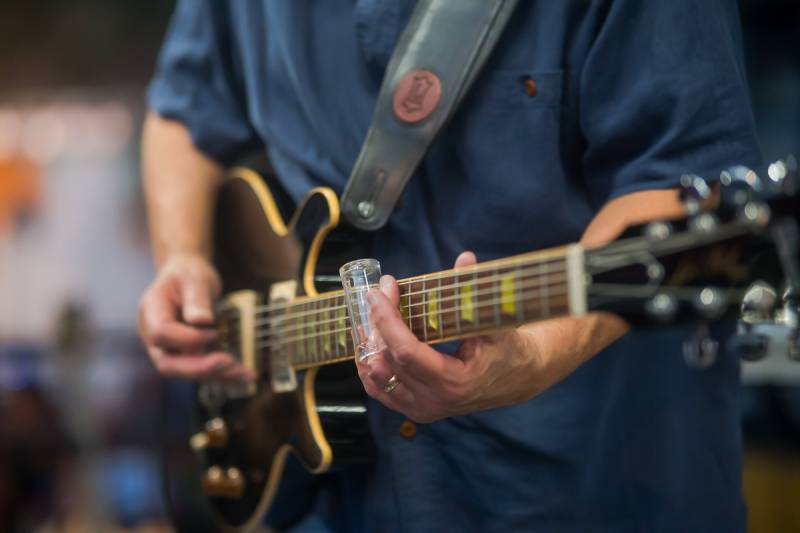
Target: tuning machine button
710,302
783,174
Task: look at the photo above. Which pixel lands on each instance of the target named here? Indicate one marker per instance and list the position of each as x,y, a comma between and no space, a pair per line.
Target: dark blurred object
773,63
82,43
34,448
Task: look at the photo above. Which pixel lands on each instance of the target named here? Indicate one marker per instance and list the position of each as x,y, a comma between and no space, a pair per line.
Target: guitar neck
438,307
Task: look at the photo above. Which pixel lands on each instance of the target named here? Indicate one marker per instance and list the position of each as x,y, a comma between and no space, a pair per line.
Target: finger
198,367
377,369
390,289
409,355
465,259
163,329
238,372
197,297
400,399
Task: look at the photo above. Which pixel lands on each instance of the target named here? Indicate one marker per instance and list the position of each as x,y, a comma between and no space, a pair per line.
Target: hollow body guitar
283,314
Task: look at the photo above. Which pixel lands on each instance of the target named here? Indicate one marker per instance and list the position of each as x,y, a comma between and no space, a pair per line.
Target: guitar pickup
281,372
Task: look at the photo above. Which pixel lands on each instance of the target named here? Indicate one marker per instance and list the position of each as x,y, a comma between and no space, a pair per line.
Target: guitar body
246,433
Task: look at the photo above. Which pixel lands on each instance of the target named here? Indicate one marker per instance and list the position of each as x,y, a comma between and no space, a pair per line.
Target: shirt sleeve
197,81
663,93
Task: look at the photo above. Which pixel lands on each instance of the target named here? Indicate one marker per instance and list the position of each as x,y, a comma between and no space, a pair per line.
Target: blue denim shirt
631,95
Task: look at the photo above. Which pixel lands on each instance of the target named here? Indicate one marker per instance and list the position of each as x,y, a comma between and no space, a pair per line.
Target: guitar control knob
215,435
226,483
217,432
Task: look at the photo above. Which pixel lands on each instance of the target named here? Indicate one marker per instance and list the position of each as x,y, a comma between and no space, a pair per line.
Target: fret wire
439,307
458,307
497,306
534,282
545,297
484,305
424,311
520,302
298,304
283,341
475,303
479,268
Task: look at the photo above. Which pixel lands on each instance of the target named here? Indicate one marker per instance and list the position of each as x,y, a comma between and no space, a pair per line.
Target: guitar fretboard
438,307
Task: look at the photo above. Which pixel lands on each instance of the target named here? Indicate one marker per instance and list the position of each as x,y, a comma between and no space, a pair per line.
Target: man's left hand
485,372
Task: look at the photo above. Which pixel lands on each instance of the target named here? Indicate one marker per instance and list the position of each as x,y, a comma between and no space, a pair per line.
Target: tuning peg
694,190
700,350
739,185
759,303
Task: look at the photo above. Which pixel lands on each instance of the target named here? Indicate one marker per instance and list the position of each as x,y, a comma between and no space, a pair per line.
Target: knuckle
404,353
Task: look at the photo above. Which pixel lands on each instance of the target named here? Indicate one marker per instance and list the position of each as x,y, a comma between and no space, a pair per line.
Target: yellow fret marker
404,306
341,326
300,340
467,305
326,331
507,300
433,309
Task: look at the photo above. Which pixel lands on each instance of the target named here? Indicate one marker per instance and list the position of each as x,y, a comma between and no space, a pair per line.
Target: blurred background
80,441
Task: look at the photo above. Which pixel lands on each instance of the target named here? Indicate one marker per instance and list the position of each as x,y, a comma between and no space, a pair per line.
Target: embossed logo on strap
417,95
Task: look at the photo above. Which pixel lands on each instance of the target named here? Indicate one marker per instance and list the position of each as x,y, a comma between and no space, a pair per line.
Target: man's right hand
176,322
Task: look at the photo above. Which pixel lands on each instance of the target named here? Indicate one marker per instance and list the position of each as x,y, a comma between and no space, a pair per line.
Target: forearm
180,184
568,342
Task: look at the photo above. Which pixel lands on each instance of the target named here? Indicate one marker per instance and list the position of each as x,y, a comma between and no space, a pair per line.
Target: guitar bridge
243,336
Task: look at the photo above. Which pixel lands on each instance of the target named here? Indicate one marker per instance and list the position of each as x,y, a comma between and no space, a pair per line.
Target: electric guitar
284,313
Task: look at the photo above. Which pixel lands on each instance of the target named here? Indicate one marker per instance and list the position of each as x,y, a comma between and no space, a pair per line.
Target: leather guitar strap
438,56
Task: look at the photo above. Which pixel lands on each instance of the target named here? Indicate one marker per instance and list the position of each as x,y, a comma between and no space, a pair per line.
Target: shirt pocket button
408,429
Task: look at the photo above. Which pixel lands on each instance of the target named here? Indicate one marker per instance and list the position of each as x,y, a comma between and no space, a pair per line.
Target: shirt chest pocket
505,146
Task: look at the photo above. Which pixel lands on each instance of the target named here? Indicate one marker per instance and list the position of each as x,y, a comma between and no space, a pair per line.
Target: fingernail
372,296
386,283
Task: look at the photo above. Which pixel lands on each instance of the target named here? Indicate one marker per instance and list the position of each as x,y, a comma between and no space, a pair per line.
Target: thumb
465,259
197,297
390,289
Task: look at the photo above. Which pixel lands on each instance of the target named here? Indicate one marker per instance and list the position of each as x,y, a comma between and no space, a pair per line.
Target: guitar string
317,310
520,275
480,268
316,340
281,341
492,290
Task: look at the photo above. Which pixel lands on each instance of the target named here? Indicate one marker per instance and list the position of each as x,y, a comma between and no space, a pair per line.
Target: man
582,122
